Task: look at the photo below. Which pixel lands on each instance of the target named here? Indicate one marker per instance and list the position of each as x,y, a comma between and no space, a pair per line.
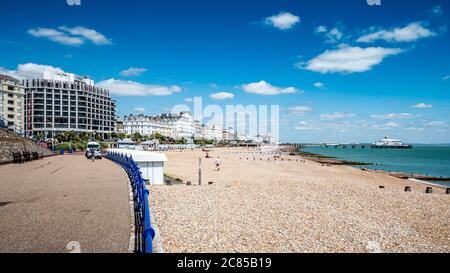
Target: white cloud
347,59
304,126
299,110
56,36
221,96
89,34
139,109
436,123
31,71
392,124
70,36
319,85
393,116
133,71
415,129
189,100
336,115
412,32
423,106
332,36
446,77
321,29
266,89
283,21
130,88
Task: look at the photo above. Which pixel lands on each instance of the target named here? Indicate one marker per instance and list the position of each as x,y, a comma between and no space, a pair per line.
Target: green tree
70,136
60,137
137,137
84,136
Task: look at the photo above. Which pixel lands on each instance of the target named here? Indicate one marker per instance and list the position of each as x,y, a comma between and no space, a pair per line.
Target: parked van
93,149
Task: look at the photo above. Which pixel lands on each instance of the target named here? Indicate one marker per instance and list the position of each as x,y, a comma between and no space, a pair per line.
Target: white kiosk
150,163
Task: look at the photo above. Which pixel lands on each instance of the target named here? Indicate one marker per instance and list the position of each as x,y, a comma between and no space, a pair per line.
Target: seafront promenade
59,203
261,205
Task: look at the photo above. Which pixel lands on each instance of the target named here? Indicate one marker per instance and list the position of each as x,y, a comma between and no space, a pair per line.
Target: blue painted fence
144,231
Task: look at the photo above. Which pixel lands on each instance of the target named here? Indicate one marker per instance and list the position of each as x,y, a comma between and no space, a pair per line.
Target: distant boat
390,143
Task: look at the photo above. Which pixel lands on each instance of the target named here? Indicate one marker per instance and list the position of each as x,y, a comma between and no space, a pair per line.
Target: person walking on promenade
217,161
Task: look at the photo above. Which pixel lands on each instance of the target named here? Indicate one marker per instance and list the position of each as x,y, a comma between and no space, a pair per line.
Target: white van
93,149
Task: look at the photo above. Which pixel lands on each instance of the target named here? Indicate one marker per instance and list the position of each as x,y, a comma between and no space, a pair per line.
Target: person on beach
217,161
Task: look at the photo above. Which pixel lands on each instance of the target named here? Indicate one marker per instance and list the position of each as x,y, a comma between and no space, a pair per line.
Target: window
10,95
10,102
10,109
10,116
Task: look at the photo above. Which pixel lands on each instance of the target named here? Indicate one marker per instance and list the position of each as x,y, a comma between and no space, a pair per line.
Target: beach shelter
151,164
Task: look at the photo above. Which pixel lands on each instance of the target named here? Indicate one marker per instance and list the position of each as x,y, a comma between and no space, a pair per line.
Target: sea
430,160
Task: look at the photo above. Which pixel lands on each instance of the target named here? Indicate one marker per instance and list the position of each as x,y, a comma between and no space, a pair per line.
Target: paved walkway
46,204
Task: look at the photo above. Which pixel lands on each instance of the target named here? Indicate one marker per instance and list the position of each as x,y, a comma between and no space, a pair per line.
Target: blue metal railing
143,231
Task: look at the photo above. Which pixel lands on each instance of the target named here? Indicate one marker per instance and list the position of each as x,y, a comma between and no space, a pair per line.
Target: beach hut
150,145
126,144
151,164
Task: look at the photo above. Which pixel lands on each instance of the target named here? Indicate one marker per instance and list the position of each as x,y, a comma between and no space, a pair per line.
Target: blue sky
341,71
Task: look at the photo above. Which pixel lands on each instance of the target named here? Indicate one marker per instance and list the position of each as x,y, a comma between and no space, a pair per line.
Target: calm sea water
425,160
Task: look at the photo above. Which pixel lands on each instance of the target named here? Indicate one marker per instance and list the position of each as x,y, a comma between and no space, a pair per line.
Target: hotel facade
59,103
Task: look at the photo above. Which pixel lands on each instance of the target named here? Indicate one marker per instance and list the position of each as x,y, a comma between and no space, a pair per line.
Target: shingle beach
257,205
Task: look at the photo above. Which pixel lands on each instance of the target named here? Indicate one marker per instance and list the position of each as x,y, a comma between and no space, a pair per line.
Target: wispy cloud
436,123
133,71
319,85
332,36
336,115
436,11
75,36
283,20
393,116
89,34
266,89
446,77
299,110
305,126
56,36
130,88
415,129
348,59
423,106
412,32
222,96
392,124
139,109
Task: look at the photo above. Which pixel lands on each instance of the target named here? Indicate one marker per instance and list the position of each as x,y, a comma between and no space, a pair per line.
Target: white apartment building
198,129
228,135
59,103
11,103
212,133
146,125
176,126
184,126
